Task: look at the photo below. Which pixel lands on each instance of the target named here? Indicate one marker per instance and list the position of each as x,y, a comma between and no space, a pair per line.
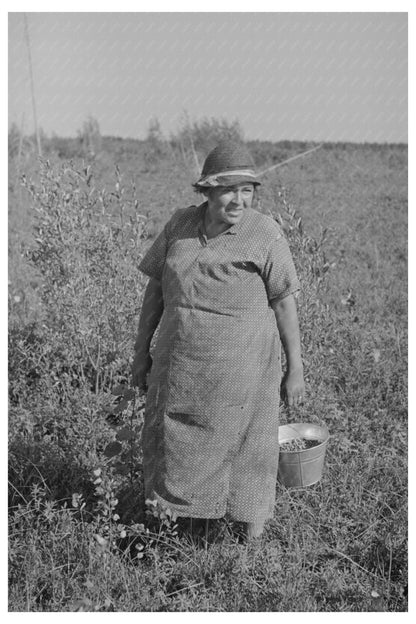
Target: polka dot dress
210,437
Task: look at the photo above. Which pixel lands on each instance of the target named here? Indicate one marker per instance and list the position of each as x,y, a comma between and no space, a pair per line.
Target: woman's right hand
141,366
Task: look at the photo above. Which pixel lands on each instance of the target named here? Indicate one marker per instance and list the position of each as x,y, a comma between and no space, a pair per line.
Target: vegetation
80,535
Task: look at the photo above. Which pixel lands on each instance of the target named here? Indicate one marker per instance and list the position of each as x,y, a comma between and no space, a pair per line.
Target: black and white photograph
207,310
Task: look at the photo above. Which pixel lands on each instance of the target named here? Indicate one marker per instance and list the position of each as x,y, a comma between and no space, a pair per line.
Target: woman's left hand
293,387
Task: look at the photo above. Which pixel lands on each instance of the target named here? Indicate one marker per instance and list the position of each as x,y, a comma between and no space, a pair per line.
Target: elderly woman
221,285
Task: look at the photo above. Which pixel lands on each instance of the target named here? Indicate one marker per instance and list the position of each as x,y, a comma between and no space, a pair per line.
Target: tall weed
89,243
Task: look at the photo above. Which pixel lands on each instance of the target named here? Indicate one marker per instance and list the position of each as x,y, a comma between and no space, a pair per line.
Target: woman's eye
246,191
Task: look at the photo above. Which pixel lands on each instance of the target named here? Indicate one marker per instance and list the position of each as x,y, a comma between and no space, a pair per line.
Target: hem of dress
184,513
252,519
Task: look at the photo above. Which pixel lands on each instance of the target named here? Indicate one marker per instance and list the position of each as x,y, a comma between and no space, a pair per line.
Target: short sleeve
154,260
279,273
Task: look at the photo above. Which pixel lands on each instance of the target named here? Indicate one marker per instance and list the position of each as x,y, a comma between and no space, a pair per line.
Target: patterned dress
210,436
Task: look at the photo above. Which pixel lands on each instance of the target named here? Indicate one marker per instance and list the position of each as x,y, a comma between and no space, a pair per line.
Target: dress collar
231,230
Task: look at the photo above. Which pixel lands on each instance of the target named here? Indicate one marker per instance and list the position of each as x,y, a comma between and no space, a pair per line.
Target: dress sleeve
154,260
279,273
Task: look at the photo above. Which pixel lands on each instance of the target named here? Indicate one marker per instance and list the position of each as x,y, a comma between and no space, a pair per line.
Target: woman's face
227,203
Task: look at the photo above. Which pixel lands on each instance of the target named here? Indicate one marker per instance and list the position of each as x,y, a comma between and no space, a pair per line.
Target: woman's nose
237,197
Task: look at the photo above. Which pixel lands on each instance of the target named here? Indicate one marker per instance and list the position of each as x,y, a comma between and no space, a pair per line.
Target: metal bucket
303,467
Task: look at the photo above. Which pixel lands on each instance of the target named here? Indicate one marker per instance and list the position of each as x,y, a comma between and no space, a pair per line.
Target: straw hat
228,164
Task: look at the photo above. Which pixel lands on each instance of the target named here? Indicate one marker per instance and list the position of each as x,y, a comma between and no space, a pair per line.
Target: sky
295,76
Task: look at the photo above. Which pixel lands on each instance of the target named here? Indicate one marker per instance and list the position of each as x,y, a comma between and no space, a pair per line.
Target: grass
80,538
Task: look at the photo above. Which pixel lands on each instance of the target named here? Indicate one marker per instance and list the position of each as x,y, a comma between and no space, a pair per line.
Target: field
80,538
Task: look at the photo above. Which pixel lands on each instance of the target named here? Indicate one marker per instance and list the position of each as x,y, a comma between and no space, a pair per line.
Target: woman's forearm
288,326
152,309
293,385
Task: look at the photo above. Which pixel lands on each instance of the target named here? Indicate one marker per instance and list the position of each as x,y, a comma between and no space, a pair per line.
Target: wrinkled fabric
210,436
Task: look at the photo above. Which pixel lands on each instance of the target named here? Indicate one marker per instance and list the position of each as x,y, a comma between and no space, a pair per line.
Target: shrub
88,244
89,137
201,136
313,268
156,147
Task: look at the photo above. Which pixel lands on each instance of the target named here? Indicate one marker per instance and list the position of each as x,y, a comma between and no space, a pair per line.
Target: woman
221,284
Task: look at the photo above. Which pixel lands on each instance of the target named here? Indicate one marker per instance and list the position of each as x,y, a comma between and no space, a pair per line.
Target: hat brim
228,181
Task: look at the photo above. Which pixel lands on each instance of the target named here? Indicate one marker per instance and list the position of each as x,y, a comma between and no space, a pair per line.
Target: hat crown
227,156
